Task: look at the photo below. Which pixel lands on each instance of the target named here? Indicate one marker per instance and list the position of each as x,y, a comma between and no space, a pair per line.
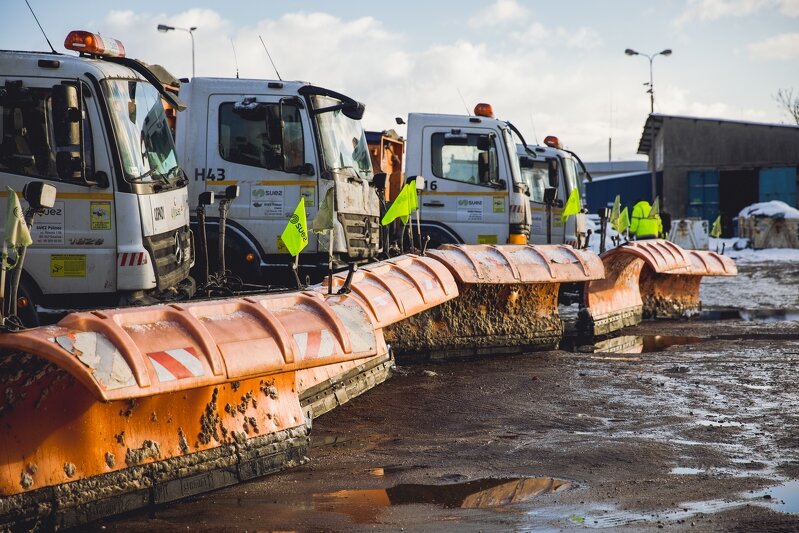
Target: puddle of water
388,470
364,505
754,315
713,423
687,471
784,498
640,343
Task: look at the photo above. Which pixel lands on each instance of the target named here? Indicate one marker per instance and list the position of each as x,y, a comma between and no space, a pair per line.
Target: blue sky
549,67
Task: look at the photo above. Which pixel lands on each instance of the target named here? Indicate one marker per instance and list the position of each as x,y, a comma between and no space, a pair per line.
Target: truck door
262,143
466,191
539,174
74,243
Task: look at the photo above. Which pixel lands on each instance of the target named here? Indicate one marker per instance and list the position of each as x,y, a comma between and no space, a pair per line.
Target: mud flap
507,303
111,410
388,292
643,279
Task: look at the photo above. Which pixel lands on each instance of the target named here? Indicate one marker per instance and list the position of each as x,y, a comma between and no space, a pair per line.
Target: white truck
476,191
551,165
280,141
94,126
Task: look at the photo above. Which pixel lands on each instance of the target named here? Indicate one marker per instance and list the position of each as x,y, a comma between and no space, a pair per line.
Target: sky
551,68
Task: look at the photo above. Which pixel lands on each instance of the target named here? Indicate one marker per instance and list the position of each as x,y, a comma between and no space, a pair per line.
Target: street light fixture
163,28
651,91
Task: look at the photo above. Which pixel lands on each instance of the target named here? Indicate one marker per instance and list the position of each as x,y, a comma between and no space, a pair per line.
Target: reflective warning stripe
175,364
133,259
316,344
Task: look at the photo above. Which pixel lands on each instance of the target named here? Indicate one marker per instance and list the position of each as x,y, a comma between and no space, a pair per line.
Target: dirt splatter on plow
389,292
648,279
114,410
508,300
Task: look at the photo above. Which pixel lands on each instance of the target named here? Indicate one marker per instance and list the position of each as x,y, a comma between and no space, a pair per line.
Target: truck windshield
343,140
142,133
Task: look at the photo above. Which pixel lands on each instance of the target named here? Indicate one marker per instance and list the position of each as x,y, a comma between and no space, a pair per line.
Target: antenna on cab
270,58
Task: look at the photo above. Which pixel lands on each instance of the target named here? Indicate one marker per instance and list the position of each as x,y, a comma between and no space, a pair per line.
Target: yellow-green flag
615,211
572,206
655,210
401,207
17,233
715,231
295,236
624,221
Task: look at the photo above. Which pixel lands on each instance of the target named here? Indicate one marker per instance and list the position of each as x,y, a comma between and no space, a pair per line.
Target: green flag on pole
402,206
295,236
615,212
715,231
655,210
624,221
17,233
572,206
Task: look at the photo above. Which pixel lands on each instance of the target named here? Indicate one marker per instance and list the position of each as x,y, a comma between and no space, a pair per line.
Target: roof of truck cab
21,63
240,85
438,119
541,151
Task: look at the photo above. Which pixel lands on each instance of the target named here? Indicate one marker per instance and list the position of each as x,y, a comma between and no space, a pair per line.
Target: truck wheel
26,308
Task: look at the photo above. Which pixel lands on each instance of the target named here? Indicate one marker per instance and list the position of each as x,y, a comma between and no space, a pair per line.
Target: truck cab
549,165
280,141
94,127
474,192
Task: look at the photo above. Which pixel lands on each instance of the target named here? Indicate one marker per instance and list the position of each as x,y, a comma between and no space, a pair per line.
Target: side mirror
379,180
550,194
484,141
554,173
231,192
206,198
39,195
100,179
307,169
354,110
66,125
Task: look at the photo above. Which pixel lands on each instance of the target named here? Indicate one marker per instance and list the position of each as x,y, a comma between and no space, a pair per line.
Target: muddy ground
702,435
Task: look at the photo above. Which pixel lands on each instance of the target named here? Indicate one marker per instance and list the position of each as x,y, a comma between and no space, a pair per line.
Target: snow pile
774,209
737,249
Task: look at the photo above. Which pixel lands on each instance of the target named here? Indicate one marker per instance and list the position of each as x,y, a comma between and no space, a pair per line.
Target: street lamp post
651,91
163,28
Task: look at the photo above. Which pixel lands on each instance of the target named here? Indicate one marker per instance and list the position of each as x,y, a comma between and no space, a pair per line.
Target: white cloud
539,35
716,9
782,46
500,12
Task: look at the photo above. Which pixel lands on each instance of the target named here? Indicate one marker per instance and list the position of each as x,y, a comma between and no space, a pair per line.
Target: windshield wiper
145,175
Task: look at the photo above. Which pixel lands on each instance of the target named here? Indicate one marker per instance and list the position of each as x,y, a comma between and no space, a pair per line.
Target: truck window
463,160
246,135
537,179
27,138
572,175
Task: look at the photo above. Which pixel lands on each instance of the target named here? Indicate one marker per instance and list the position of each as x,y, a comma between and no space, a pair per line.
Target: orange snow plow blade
110,411
508,300
388,291
647,279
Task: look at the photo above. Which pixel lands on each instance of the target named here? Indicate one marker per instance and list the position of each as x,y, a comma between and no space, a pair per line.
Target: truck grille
363,235
172,263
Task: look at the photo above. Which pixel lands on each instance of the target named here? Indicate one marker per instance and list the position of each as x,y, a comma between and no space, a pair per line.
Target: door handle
433,204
